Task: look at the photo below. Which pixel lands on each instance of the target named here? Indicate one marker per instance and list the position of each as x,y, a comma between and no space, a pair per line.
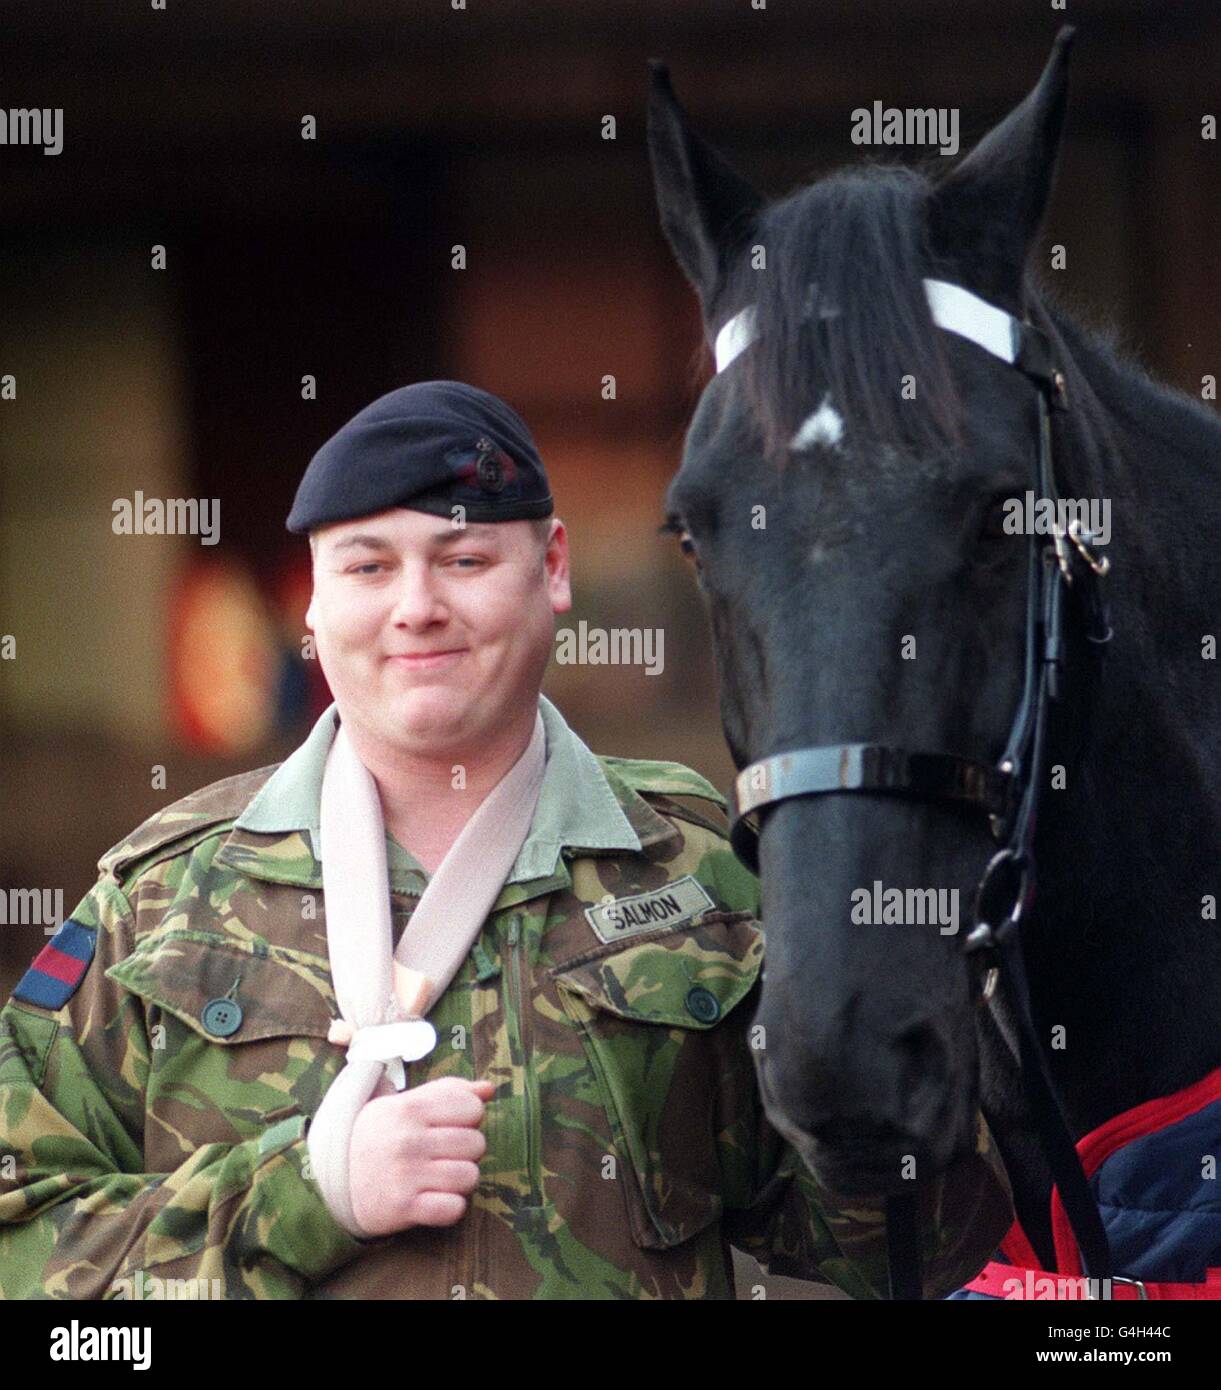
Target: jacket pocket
658,1023
279,993
237,1032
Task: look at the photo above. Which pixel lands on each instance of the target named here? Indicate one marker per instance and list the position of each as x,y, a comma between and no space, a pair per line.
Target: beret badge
492,467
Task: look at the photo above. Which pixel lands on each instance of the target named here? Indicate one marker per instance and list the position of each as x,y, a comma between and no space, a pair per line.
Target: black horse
846,488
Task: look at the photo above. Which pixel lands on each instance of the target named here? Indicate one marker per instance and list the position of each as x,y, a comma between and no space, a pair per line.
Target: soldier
176,1100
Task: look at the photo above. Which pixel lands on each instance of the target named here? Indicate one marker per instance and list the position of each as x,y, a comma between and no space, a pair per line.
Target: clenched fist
415,1154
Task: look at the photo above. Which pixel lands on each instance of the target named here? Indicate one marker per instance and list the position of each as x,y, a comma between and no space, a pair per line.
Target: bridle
1008,793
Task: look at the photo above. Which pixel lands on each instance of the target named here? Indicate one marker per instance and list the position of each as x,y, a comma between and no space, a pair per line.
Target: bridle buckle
991,928
1064,556
1083,540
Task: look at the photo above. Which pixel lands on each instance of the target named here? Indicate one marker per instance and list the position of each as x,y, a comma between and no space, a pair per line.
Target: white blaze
824,426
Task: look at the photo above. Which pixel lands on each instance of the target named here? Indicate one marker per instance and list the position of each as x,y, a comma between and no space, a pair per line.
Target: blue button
221,1017
703,1005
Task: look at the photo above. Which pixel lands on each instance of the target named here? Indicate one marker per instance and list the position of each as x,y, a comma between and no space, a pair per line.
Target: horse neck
1119,952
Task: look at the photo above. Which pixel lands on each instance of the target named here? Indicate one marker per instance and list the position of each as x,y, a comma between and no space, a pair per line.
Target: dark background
332,257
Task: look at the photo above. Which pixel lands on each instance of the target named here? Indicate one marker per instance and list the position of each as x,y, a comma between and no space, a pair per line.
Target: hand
414,1154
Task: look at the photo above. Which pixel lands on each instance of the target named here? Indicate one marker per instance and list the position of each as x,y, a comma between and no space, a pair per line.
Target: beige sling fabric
435,942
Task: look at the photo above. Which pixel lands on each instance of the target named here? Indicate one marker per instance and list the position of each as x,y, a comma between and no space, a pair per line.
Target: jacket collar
581,808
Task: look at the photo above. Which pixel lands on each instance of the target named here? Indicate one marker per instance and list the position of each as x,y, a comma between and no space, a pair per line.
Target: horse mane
1124,385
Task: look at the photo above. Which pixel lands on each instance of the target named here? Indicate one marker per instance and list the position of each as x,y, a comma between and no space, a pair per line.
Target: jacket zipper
519,995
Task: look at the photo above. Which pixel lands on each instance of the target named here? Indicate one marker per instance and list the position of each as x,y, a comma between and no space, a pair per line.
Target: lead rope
903,1263
1038,1087
1054,1136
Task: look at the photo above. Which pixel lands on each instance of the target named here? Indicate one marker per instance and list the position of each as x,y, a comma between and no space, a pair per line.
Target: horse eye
674,527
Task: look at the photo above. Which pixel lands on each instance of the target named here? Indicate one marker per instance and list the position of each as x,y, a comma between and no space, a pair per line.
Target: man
174,1087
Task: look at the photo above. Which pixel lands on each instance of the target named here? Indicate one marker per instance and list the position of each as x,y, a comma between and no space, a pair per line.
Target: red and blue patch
59,967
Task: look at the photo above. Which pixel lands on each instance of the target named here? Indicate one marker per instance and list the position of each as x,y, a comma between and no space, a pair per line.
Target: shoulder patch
672,779
59,967
210,806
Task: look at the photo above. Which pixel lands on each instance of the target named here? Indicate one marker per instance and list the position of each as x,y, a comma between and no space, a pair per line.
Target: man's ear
555,560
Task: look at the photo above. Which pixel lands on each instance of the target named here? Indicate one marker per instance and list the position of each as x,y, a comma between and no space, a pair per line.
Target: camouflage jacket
146,1140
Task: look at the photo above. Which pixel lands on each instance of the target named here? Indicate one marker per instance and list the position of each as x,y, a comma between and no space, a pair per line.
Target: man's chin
427,718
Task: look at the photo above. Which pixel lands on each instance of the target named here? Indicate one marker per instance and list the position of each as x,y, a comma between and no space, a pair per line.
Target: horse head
847,498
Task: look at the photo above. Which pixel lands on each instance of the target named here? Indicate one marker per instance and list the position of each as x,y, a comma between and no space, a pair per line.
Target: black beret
431,446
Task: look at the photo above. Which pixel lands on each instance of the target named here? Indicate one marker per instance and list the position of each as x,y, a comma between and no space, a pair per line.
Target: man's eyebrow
367,541
482,531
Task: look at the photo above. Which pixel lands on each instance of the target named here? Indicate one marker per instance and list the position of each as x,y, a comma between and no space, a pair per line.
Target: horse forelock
840,308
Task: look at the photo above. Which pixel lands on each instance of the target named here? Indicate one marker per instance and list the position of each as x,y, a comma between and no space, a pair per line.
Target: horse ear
706,207
986,213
